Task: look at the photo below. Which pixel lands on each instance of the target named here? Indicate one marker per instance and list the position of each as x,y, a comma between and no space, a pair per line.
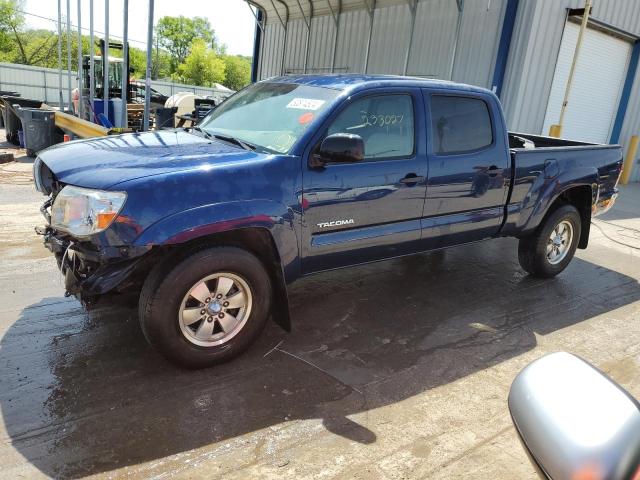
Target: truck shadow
82,393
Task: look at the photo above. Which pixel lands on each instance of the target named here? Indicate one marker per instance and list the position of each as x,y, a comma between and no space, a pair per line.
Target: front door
468,167
359,212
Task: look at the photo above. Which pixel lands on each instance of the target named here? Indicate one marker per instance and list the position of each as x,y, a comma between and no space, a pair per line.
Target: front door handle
412,179
493,171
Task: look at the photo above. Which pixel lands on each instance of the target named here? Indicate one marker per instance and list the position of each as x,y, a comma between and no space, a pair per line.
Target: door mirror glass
574,421
340,148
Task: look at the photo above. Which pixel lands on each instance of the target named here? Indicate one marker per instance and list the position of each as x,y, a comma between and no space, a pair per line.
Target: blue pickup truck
301,174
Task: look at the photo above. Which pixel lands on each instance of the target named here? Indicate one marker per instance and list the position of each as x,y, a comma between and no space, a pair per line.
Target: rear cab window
384,121
460,124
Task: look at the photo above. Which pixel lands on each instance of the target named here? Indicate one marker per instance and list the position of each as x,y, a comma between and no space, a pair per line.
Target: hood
104,162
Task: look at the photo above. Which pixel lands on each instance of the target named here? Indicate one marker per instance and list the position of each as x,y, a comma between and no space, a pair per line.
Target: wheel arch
256,240
581,194
260,242
582,197
264,228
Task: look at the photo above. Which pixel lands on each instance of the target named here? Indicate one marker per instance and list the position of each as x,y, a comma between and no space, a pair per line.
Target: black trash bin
11,124
165,117
39,128
11,119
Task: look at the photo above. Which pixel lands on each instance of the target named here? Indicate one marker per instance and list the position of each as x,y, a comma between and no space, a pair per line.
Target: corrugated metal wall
36,83
534,51
531,63
352,41
432,46
42,83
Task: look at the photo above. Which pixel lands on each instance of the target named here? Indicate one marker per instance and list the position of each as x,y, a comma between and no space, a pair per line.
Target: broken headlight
82,211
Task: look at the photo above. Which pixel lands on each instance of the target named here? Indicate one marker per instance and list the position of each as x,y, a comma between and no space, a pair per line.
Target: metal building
522,49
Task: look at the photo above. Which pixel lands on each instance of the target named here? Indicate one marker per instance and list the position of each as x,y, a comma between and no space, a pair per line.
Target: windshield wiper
240,143
226,138
203,132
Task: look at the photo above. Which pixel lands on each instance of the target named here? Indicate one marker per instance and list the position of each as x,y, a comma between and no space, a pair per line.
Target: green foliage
185,49
178,34
202,66
238,71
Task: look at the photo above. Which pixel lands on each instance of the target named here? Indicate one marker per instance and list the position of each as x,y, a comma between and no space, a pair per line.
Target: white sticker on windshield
305,103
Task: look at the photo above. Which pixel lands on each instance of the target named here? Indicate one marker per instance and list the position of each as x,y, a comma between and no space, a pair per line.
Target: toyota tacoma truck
301,174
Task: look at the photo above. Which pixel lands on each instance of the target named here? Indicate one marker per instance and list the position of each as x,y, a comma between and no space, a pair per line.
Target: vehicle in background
138,91
301,174
574,422
116,71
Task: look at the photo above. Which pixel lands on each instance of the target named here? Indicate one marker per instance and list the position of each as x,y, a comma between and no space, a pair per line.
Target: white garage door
597,84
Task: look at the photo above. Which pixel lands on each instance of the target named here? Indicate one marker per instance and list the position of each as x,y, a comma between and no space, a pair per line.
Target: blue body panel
181,186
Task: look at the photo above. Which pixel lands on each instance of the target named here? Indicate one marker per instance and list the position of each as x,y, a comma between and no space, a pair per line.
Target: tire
167,306
533,253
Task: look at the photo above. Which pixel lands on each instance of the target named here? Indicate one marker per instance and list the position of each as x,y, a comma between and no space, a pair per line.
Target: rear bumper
604,202
90,270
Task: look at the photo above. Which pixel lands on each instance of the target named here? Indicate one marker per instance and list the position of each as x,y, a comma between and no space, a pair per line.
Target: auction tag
305,103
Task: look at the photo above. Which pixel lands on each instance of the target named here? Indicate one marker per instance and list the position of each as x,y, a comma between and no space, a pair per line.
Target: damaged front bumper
91,270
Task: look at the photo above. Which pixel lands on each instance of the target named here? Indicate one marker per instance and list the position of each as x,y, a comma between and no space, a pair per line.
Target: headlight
81,211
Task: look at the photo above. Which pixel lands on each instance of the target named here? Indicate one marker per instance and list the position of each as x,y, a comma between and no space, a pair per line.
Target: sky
231,19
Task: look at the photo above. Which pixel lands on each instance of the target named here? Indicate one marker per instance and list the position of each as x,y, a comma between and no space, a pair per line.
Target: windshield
271,116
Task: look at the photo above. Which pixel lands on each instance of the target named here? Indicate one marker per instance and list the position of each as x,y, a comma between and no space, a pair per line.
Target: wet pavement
394,370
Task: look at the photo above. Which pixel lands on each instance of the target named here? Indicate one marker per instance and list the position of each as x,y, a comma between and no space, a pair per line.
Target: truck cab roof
355,81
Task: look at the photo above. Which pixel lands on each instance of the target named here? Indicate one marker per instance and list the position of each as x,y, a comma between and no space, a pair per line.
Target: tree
178,34
237,71
202,66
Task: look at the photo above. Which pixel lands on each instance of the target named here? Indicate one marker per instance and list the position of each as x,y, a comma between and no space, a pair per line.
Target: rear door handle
412,179
493,171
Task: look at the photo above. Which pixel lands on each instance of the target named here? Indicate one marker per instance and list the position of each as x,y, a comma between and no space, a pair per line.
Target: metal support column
92,80
556,132
70,101
257,42
368,50
105,61
284,24
255,15
460,5
81,96
125,60
147,81
308,24
413,7
336,21
60,96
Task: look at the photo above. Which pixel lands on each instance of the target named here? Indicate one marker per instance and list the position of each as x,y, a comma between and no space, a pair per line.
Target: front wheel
549,250
208,308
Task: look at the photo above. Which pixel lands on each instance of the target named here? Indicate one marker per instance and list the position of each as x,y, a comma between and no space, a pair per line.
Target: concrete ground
395,370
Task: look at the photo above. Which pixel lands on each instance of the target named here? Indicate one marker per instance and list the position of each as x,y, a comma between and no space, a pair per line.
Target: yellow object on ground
627,166
555,131
77,126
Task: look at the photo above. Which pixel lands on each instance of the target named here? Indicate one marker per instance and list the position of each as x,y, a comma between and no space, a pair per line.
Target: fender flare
206,220
549,192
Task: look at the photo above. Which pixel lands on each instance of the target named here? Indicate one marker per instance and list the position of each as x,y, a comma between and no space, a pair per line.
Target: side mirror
574,421
339,148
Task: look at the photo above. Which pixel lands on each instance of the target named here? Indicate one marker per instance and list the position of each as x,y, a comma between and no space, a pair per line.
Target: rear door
468,168
365,211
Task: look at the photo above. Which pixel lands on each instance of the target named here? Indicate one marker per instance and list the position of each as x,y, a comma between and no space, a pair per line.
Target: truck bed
526,141
540,166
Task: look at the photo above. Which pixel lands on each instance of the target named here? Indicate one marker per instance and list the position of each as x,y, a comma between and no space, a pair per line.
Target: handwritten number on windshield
378,120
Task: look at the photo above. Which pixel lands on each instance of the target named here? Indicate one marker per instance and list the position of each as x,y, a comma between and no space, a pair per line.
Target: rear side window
459,124
385,123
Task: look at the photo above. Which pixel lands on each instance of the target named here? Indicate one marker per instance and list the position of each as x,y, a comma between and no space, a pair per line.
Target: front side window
385,123
459,124
271,116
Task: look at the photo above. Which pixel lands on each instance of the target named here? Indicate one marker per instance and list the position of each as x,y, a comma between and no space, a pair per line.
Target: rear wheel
206,309
550,249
